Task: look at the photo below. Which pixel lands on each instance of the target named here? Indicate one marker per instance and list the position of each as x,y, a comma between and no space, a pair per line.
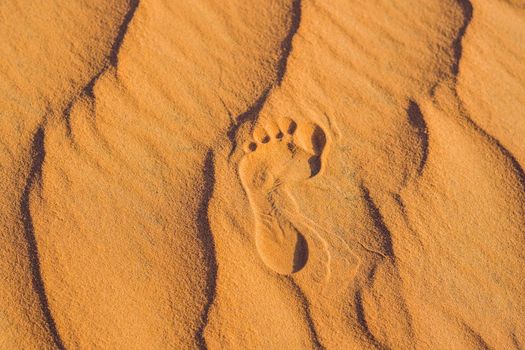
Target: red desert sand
266,174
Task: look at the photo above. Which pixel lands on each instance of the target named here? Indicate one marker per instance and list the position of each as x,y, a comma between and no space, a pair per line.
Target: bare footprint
279,155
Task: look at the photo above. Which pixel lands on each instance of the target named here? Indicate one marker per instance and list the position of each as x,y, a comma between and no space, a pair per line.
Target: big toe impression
312,138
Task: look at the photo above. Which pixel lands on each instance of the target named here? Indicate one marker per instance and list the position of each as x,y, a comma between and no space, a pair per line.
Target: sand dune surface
284,174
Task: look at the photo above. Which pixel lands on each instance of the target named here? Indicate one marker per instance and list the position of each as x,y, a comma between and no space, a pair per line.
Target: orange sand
279,174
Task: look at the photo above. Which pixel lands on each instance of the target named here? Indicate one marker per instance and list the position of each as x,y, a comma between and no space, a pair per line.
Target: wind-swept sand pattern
285,174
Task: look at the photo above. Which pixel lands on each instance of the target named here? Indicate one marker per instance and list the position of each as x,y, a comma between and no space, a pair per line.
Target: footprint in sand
281,154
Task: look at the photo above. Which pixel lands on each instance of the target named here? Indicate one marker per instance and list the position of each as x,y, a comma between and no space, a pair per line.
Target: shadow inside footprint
301,254
318,142
315,165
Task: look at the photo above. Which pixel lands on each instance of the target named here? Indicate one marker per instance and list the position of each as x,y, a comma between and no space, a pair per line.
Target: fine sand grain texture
277,174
